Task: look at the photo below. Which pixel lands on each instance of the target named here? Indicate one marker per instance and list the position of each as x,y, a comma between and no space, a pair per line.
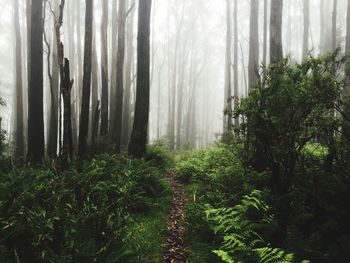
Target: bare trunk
265,34
235,61
104,69
334,24
276,51
138,141
36,143
128,78
85,103
228,62
306,10
118,114
254,43
18,106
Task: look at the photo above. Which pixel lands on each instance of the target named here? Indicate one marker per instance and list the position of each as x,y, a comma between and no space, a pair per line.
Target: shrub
80,215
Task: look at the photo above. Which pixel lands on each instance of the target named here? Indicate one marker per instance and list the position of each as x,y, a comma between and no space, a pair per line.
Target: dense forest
175,131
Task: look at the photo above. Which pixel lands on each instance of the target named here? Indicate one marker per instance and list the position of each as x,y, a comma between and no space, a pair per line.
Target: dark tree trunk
19,109
66,88
346,126
85,103
118,114
36,143
138,141
254,43
104,69
306,11
276,51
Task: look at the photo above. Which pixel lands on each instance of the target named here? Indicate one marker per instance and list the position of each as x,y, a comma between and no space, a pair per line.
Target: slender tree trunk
254,43
128,78
138,141
322,27
346,126
276,51
104,69
54,82
228,62
118,114
235,61
306,10
94,89
265,34
36,143
19,129
334,24
85,103
113,72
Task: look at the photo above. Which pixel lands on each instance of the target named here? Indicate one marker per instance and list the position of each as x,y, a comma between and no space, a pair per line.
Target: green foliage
160,154
80,215
239,227
292,105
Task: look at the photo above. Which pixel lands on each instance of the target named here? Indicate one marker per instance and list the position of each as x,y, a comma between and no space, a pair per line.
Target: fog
188,40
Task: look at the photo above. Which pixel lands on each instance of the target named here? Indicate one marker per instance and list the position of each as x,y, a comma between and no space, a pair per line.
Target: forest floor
175,247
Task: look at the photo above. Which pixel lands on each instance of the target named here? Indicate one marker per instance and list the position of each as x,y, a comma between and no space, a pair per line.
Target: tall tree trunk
265,34
94,89
322,27
113,71
85,103
334,24
235,61
36,143
228,62
118,114
138,141
276,51
306,11
254,43
104,69
128,77
19,129
54,82
346,126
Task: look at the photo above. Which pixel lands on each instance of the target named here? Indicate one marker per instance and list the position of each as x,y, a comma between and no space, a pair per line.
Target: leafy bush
159,153
80,215
241,228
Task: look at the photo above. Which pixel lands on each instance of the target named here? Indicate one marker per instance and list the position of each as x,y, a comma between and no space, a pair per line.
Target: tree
104,69
118,114
19,128
265,33
306,11
128,77
276,52
35,91
228,62
334,24
346,126
254,43
138,141
53,72
85,103
235,61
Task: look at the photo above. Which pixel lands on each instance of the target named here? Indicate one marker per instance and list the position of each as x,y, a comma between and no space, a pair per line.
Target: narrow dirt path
175,249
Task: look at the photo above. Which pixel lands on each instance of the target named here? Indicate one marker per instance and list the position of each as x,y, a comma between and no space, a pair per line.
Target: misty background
196,29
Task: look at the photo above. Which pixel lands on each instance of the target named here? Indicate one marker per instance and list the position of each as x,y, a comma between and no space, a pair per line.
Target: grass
148,230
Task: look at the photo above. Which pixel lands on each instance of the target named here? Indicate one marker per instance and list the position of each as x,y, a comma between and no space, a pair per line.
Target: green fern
241,241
